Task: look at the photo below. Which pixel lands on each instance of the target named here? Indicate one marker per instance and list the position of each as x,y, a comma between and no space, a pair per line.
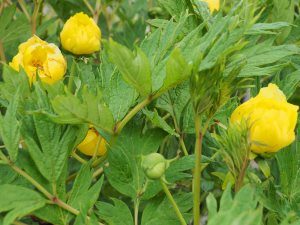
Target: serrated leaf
13,81
116,92
18,202
175,101
83,193
158,121
91,109
116,214
52,147
135,68
49,144
242,209
10,128
178,70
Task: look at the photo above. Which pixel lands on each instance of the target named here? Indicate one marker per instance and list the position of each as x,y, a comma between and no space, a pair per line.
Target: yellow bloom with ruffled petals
80,35
39,57
271,118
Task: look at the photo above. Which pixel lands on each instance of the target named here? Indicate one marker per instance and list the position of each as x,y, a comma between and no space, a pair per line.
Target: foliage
166,80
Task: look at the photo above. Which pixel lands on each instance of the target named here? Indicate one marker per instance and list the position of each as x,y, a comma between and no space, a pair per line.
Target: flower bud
80,35
39,57
89,145
271,118
154,165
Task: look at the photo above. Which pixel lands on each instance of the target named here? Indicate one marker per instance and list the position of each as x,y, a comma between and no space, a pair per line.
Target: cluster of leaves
163,62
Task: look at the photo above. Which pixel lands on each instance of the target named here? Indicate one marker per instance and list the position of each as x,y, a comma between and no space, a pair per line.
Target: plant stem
78,158
2,54
38,186
240,179
136,211
197,171
23,7
88,5
97,11
171,199
37,4
181,142
32,181
19,223
131,114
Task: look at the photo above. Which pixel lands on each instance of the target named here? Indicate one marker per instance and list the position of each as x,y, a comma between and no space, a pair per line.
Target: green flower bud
154,165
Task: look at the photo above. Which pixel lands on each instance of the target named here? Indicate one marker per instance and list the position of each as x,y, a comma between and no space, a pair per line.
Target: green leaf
175,101
135,68
178,70
7,175
91,109
49,144
158,46
160,211
6,18
158,121
116,92
289,83
10,128
283,11
240,210
125,173
12,28
83,193
264,59
267,28
84,219
52,146
18,202
53,214
264,167
13,81
116,214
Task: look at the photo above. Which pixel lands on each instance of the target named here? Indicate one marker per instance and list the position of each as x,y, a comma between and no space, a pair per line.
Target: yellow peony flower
271,118
89,144
213,4
80,35
39,57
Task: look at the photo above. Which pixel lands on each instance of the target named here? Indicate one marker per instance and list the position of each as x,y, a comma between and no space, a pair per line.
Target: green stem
171,199
39,187
37,4
71,77
183,147
78,158
240,180
2,54
23,7
136,211
197,171
32,181
131,114
88,5
18,223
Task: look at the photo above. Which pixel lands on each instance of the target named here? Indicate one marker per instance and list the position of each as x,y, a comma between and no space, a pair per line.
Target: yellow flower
271,118
89,144
80,35
39,57
213,4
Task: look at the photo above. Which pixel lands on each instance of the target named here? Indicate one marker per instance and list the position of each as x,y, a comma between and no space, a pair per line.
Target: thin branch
2,54
23,7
